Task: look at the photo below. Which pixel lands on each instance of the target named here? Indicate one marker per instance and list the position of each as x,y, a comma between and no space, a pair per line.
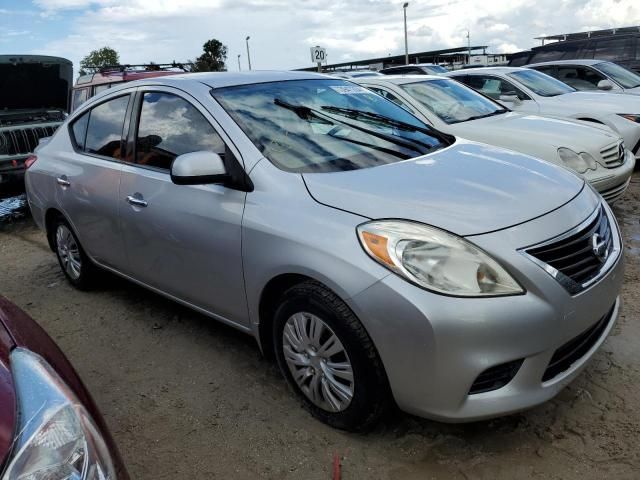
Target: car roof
473,71
399,79
231,79
585,61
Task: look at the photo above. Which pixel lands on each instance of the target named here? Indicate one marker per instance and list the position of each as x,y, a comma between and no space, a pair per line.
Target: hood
467,189
604,102
634,90
33,82
10,118
532,134
8,412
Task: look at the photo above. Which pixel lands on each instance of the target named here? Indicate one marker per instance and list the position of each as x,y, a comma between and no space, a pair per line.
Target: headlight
580,162
57,439
435,260
633,117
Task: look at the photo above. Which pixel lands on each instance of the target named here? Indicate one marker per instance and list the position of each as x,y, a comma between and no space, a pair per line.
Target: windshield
541,84
326,125
451,101
436,69
626,78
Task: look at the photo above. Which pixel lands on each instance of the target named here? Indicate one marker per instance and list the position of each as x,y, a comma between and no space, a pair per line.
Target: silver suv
375,258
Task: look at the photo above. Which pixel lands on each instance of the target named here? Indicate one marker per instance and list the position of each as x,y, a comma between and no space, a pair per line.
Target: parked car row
376,255
596,153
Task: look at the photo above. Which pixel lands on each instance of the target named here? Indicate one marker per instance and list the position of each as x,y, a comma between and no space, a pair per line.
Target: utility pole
248,55
468,47
406,44
239,66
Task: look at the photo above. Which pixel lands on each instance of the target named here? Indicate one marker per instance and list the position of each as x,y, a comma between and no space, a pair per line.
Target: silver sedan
377,259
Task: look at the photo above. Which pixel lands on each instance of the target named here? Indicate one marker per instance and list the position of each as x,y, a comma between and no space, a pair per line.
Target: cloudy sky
283,30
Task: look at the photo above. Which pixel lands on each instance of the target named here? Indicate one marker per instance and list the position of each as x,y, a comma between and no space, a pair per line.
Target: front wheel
328,358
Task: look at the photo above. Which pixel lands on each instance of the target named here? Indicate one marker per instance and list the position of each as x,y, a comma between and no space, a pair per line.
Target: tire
74,262
325,368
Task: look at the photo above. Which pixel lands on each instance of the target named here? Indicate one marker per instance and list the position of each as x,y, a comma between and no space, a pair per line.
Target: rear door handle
62,181
137,201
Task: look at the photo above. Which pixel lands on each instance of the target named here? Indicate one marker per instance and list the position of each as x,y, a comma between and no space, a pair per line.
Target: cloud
282,31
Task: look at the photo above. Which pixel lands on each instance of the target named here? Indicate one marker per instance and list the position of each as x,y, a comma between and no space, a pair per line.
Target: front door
182,240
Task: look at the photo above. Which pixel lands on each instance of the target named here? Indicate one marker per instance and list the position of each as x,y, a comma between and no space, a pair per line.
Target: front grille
579,256
616,192
17,141
576,348
495,377
613,155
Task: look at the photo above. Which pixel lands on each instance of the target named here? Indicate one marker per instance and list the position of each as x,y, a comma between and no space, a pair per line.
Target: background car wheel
75,263
328,358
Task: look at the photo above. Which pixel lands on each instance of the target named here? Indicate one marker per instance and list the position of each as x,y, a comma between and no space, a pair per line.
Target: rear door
184,240
88,177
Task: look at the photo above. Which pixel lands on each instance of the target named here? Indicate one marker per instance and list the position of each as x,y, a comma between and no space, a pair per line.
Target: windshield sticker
349,89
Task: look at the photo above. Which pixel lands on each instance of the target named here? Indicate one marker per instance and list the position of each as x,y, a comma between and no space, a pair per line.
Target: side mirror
510,97
198,168
605,85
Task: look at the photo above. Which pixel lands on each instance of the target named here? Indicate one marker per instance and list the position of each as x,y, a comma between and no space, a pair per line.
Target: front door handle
137,201
62,181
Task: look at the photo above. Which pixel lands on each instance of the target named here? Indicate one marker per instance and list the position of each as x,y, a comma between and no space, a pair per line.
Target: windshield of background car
435,69
541,84
451,101
326,125
624,77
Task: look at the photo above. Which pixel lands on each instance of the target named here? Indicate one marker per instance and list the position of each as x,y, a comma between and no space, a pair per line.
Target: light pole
406,45
239,66
468,47
248,55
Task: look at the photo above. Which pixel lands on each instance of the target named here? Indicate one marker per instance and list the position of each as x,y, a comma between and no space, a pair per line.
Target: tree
213,58
99,58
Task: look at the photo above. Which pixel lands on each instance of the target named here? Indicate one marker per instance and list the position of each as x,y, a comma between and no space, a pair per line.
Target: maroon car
49,425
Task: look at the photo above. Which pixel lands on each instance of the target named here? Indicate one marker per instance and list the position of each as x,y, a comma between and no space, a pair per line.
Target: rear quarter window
79,131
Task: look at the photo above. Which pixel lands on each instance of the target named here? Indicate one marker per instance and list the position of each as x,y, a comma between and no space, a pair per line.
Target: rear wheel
328,358
75,263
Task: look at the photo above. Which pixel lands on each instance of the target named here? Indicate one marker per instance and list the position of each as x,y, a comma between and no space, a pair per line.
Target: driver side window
170,126
493,87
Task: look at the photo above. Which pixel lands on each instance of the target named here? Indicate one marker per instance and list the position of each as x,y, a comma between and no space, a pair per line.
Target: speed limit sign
318,55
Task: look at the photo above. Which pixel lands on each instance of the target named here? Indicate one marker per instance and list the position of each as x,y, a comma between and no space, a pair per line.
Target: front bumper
612,183
434,347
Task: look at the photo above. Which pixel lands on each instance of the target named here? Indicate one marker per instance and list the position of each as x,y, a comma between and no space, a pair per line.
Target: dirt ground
188,398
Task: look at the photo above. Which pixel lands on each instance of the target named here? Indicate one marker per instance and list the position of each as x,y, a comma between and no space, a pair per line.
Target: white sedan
527,90
593,151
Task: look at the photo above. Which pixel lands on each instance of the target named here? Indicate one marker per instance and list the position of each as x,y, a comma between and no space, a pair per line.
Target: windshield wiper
360,114
477,117
363,114
304,112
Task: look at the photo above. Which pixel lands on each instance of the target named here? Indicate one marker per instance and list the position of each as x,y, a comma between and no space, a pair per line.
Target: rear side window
170,126
79,131
104,133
